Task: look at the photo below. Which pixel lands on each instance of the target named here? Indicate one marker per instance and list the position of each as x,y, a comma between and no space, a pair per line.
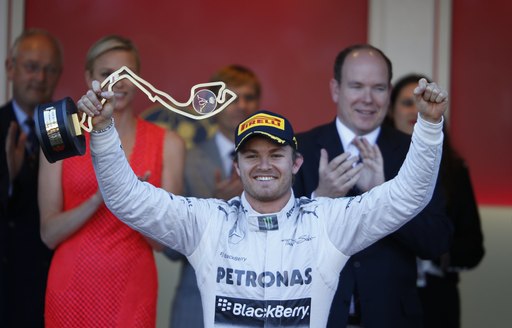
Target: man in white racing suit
265,258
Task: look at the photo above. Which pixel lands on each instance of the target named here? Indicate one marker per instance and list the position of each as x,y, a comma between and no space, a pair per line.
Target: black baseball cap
272,125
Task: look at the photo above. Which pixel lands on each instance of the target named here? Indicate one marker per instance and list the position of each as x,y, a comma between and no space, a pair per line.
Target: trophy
60,131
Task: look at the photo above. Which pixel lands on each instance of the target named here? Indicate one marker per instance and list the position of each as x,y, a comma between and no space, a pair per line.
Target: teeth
264,178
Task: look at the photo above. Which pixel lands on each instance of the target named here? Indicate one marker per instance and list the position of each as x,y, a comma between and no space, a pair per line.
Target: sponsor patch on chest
259,313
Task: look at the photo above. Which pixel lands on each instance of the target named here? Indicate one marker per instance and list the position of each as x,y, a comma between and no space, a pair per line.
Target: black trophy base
58,131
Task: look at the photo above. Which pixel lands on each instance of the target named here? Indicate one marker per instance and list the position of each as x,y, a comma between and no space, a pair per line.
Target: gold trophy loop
59,129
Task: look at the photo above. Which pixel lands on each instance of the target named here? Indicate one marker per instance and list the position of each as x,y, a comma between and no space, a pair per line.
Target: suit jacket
385,272
201,163
25,259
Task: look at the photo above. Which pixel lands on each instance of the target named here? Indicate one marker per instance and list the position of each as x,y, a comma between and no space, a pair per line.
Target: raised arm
387,207
158,214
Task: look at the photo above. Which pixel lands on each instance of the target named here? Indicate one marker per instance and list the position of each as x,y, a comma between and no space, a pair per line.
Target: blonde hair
109,43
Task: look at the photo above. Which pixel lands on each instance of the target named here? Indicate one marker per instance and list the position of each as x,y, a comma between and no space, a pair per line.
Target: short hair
340,59
109,43
237,75
29,33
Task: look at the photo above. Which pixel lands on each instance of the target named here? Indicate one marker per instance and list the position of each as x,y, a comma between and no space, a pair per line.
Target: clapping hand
15,150
372,173
337,177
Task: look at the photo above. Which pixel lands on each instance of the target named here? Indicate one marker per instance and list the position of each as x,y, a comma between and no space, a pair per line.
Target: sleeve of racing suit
355,223
173,220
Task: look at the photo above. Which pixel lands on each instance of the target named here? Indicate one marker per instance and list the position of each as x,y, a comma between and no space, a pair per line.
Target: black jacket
25,259
385,272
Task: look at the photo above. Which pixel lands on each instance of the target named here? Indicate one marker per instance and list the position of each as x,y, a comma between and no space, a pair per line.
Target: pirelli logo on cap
261,120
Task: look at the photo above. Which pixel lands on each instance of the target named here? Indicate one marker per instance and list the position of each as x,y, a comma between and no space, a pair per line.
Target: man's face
246,104
267,170
362,97
34,71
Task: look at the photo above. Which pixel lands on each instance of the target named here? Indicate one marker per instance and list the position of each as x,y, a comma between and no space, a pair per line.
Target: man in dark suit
377,287
34,65
209,173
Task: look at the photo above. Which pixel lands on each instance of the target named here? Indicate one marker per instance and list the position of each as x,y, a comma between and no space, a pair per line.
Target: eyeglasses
31,67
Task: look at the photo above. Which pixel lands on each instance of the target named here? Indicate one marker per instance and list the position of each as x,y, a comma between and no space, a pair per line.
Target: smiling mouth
365,112
266,178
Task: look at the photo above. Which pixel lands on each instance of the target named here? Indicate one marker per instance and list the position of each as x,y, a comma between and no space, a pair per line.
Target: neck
271,206
27,109
124,120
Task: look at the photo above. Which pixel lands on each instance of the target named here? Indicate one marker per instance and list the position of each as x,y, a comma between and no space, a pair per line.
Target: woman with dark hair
437,280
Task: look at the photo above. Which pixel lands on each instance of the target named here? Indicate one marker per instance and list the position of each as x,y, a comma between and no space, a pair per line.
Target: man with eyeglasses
34,65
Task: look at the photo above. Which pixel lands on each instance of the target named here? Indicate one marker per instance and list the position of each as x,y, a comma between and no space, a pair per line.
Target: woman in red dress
103,273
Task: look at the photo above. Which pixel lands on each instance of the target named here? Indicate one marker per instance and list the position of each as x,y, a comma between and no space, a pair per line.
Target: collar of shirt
254,219
347,136
226,147
21,117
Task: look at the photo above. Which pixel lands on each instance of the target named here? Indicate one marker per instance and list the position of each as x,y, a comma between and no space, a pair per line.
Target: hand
431,100
336,178
227,188
97,198
372,173
92,106
14,151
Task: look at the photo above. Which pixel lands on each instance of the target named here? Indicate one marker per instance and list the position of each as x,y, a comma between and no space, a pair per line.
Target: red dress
105,274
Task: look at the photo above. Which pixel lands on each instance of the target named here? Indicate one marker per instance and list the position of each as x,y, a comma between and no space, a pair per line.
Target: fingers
352,175
323,160
339,171
430,92
422,85
96,87
11,135
341,162
91,103
10,141
368,152
365,149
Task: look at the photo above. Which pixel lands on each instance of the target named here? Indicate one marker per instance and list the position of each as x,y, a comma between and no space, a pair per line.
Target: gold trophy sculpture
59,129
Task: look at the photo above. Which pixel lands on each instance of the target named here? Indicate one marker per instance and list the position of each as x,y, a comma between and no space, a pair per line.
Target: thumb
324,160
422,85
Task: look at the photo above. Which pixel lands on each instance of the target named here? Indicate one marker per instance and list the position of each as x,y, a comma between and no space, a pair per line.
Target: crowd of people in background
67,261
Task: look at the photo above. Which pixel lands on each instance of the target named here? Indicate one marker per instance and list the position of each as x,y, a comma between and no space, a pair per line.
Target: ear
9,68
297,163
334,86
237,168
